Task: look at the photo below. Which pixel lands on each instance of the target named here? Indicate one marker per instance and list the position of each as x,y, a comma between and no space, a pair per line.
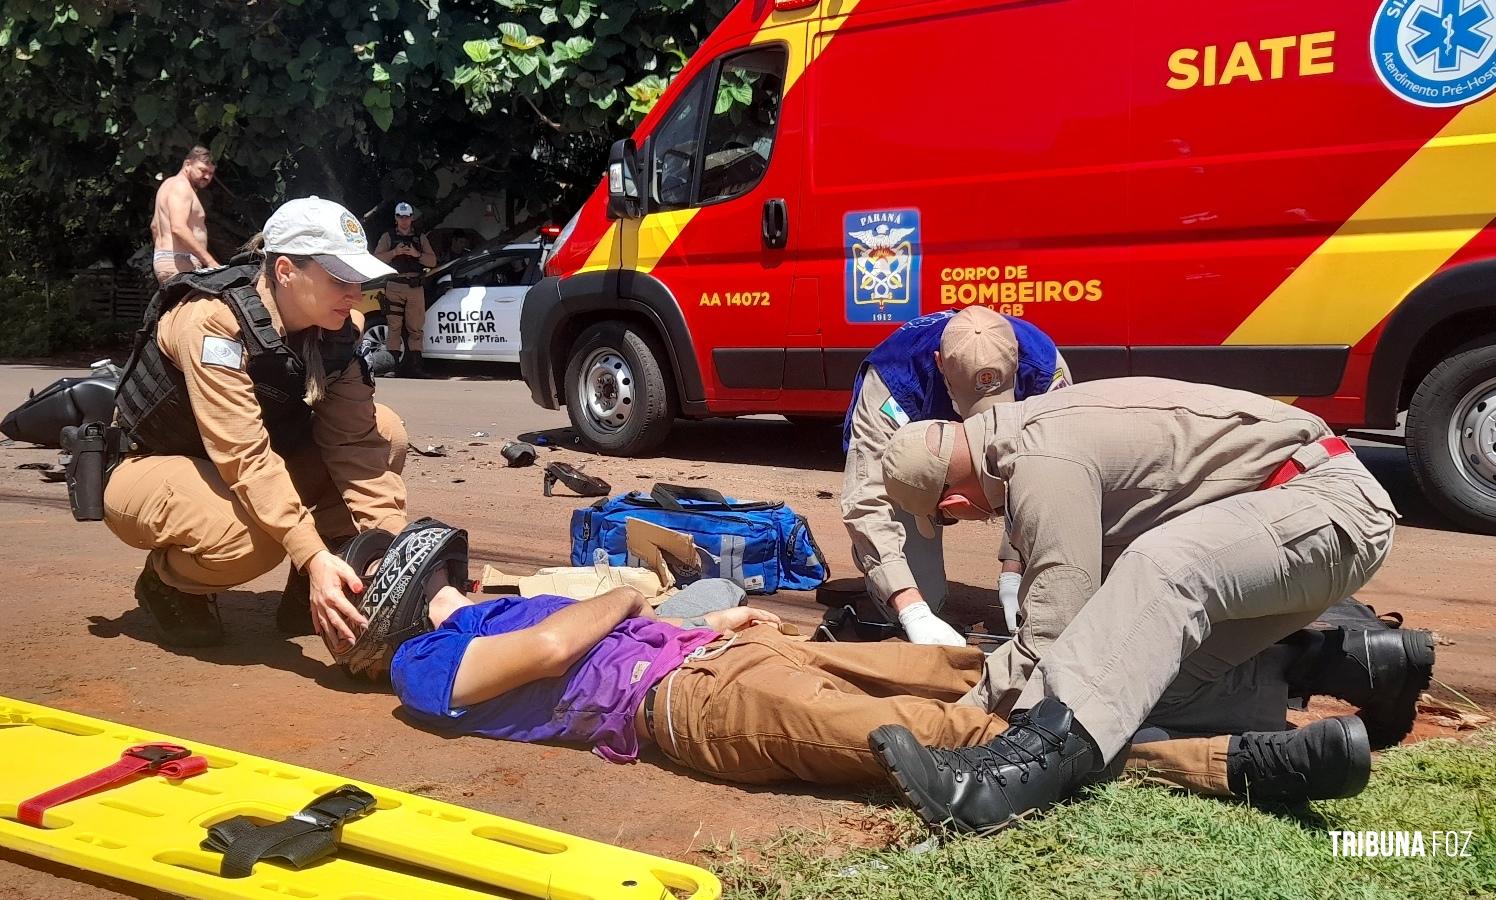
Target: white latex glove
1007,592
922,626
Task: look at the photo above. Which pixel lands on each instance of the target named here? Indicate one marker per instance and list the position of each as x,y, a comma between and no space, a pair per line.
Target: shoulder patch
218,351
894,412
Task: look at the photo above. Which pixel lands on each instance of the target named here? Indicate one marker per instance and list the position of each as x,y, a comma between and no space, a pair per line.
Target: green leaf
613,21
606,100
574,48
549,15
380,74
478,51
515,37
463,75
577,12
383,118
648,89
526,63
374,98
147,108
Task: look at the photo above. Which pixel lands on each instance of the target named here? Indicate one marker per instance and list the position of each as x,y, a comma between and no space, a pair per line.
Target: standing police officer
948,365
255,433
410,254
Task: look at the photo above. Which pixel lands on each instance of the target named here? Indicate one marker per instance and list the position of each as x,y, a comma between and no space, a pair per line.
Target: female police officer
255,434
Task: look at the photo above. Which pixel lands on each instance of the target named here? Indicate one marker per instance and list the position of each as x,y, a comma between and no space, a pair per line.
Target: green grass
1135,841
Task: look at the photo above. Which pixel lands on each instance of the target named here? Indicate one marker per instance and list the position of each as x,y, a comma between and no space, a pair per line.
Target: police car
472,304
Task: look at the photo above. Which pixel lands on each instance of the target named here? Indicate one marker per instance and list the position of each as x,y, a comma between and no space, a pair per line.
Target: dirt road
79,642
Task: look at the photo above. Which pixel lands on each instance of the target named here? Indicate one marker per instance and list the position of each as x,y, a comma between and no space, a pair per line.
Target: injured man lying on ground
731,696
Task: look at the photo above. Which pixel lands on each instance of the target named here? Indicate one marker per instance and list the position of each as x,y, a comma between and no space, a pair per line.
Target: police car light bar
550,231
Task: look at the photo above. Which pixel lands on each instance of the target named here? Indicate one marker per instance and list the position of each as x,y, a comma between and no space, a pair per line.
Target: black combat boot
294,614
1040,760
410,365
1330,758
183,619
1380,671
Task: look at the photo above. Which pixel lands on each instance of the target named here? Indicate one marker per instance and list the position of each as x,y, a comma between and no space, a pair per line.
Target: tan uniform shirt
877,538
192,335
1092,467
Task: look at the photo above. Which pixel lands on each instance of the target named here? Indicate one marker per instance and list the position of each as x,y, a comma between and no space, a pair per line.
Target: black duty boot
294,614
410,365
1381,671
1327,759
184,620
1040,760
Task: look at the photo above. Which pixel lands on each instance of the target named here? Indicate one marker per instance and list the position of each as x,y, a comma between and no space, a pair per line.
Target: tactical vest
152,404
406,265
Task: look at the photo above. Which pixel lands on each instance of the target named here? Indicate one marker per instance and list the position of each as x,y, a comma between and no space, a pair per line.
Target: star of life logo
1435,52
882,250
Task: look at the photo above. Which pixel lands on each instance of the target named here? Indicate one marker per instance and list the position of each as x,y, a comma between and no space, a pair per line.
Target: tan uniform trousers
406,310
762,708
1177,626
201,539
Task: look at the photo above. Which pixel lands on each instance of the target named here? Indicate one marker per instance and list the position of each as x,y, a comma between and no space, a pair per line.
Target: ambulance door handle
776,224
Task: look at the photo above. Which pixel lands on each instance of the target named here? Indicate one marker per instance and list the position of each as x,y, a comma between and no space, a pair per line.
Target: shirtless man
179,226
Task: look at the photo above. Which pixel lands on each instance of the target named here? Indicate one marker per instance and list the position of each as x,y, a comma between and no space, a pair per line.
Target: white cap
404,209
329,234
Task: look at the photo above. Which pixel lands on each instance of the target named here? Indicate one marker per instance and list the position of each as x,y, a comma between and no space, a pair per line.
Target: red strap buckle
171,760
1291,469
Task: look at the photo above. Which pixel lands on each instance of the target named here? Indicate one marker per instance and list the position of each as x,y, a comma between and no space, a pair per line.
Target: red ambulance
1291,198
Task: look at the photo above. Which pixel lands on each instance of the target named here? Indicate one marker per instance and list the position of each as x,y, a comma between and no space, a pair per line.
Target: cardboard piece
661,550
576,582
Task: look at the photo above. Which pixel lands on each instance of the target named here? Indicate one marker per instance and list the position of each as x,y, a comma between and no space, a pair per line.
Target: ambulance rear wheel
617,394
1452,437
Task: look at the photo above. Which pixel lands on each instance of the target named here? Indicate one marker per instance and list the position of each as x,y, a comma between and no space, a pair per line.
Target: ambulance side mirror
623,182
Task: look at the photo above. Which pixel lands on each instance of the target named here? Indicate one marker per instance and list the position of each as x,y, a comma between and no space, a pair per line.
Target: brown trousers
764,708
406,308
201,539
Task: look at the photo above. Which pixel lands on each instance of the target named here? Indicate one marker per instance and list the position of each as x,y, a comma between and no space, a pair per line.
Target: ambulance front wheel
617,393
1451,432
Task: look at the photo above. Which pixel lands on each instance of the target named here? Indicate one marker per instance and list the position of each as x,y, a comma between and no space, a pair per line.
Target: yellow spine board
149,831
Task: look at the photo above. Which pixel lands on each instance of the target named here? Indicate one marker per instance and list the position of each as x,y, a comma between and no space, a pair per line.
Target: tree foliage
365,101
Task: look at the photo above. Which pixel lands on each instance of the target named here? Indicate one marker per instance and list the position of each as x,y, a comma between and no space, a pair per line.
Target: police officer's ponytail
316,372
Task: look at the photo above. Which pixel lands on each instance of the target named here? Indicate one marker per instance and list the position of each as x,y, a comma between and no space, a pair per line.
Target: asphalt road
78,641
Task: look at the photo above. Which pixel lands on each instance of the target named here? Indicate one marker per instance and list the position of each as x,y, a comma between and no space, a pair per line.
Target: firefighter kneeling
255,435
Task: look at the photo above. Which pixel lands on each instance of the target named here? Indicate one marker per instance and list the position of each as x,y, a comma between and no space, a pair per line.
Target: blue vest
906,363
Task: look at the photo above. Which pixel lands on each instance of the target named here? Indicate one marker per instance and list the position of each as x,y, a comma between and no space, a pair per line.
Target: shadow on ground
1390,466
252,640
756,441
